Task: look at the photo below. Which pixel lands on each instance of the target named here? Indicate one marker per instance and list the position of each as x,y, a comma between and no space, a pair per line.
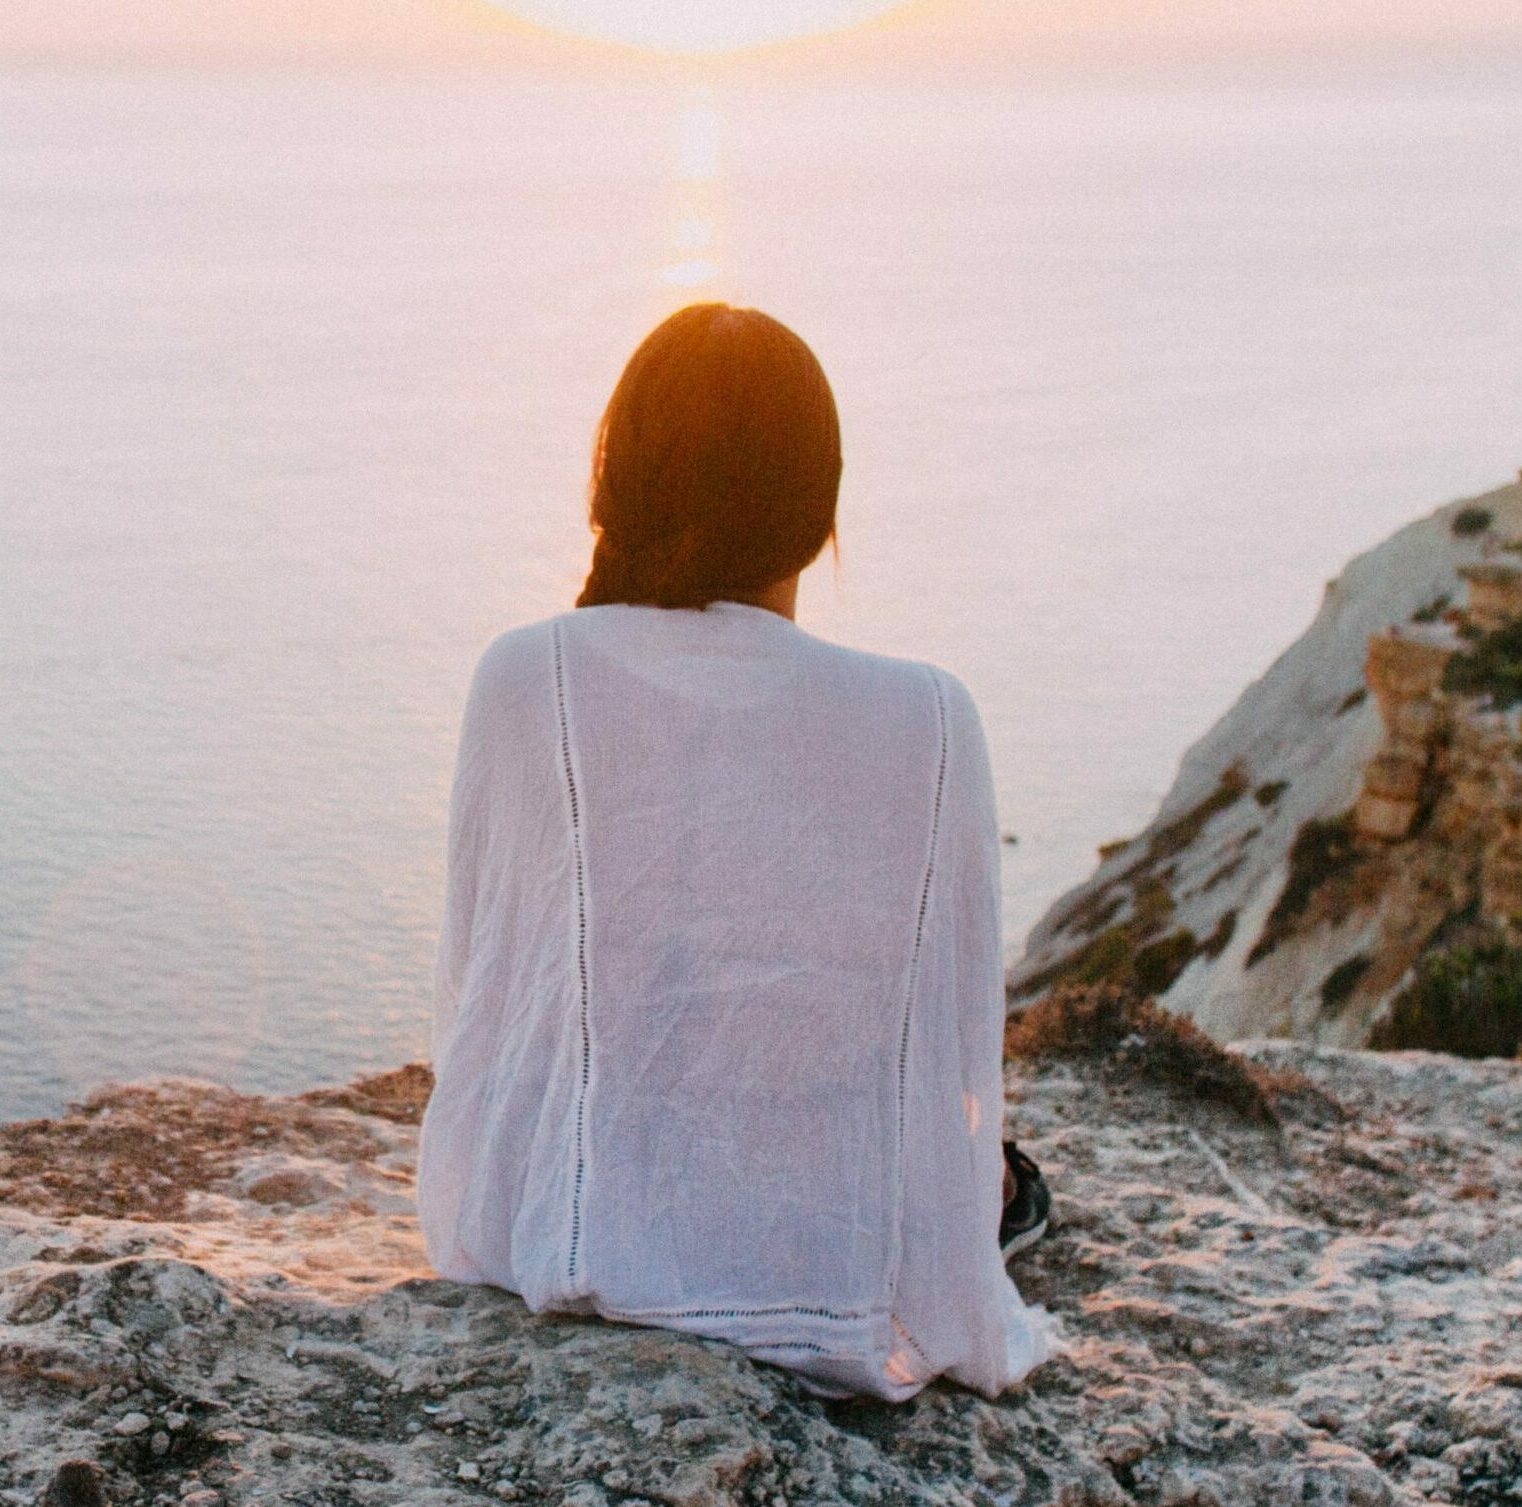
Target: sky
961,35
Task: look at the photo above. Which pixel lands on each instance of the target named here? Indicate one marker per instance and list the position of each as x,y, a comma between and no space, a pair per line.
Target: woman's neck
780,597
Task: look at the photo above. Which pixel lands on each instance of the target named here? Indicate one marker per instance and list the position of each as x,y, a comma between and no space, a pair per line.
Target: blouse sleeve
953,1296
972,856
462,874
1014,1336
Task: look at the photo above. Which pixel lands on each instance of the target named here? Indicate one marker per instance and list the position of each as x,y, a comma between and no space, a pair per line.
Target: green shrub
1183,830
1465,999
1130,952
1152,904
1224,873
1322,850
1155,966
1469,521
1338,986
1491,667
1433,610
1096,912
1220,938
1106,955
1121,955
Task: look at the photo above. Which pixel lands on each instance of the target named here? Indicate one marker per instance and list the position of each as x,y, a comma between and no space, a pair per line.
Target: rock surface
222,1299
1197,908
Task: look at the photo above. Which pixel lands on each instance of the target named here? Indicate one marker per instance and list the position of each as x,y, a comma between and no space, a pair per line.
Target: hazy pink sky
927,32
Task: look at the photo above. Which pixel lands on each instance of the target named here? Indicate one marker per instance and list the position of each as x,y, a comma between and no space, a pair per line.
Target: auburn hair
716,465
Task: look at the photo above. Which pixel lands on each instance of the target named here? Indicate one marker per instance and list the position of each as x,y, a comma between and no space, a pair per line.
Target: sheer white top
720,998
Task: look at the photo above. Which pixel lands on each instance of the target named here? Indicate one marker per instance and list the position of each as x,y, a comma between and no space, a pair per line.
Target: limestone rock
1324,1310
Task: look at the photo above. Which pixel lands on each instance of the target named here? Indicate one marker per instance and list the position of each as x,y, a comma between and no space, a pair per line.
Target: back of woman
720,997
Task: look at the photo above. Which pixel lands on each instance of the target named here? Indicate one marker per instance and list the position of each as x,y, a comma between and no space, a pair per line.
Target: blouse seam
911,1342
823,1351
914,961
574,1251
842,1315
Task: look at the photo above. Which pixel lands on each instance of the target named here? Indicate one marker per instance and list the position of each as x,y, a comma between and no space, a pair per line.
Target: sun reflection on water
697,140
692,261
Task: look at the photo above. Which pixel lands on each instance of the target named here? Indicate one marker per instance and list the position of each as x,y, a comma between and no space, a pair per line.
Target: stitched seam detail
581,956
914,964
909,1340
841,1314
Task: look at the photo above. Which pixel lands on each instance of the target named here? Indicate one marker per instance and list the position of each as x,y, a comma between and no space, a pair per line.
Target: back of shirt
693,868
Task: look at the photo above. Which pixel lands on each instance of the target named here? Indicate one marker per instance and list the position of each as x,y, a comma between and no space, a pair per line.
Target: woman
718,1028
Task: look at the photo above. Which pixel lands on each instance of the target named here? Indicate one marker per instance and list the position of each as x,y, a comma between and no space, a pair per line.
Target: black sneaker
1028,1212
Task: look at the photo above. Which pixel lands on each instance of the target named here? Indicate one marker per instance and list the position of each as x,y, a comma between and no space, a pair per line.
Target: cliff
1351,824
1287,1275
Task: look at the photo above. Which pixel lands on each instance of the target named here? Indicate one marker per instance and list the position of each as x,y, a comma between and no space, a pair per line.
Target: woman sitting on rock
720,996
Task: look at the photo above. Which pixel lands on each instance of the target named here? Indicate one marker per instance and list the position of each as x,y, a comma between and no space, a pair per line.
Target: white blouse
720,999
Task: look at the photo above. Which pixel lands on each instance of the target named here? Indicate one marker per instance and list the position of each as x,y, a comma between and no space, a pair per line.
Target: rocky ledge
1287,1274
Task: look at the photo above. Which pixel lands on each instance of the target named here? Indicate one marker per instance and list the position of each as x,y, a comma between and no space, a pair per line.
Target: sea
298,380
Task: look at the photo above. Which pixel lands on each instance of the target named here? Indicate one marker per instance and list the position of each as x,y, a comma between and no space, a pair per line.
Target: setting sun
696,26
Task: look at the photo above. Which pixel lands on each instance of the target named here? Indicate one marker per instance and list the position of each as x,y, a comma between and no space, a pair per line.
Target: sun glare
693,255
697,26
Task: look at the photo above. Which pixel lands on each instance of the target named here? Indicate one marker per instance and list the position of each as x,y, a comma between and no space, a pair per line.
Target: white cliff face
1202,881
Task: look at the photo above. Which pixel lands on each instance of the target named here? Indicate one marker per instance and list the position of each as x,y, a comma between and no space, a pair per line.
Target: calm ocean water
296,393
